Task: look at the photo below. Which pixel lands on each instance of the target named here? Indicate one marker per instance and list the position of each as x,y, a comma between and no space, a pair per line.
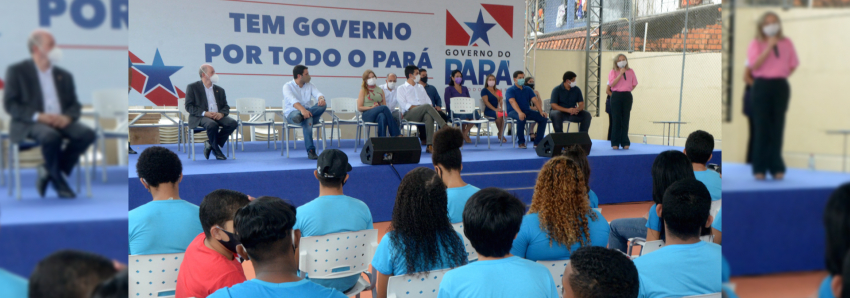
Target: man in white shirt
41,99
299,107
416,106
207,106
390,93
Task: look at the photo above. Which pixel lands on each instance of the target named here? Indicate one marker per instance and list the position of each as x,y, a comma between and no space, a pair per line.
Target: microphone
776,51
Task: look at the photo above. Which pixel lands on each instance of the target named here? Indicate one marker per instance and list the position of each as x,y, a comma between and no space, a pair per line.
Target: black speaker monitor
384,151
555,143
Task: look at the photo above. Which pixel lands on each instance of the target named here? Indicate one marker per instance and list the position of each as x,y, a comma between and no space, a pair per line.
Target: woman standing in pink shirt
773,59
621,82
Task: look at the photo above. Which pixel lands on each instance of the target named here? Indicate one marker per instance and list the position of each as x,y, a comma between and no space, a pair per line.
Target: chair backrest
715,206
463,105
547,105
251,106
111,103
556,268
337,255
421,285
651,246
712,295
472,255
344,105
4,116
154,275
181,106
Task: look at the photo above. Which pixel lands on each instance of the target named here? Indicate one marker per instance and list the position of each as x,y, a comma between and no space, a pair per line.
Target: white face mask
416,79
214,78
491,83
371,81
55,55
771,30
572,84
621,64
390,85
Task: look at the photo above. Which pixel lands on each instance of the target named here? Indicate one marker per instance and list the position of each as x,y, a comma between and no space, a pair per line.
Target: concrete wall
818,101
657,96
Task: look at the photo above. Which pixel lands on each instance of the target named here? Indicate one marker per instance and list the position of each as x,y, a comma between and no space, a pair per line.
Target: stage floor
776,226
33,227
618,175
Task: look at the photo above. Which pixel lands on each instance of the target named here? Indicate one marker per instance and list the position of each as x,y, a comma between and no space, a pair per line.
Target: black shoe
130,149
42,180
298,119
207,149
63,189
218,154
312,155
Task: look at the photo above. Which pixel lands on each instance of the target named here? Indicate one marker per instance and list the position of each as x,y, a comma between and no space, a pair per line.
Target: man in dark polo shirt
568,105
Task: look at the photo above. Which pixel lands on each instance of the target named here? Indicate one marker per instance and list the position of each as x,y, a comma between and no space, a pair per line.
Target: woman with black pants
773,59
621,82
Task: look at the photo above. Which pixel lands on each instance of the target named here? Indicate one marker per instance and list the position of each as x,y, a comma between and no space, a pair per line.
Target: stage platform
32,228
617,175
775,226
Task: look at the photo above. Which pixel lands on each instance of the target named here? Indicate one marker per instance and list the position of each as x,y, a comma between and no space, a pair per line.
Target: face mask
232,243
573,84
55,55
458,80
621,64
530,85
371,81
424,79
491,83
416,79
520,81
306,79
770,30
214,78
390,85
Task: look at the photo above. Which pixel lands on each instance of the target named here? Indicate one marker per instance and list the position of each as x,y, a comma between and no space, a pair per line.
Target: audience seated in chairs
71,274
210,261
332,211
420,237
560,219
265,229
491,219
577,154
447,162
685,266
167,224
585,278
699,148
836,220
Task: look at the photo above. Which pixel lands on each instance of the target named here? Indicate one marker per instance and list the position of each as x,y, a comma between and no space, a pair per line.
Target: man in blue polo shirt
519,99
685,266
568,105
333,212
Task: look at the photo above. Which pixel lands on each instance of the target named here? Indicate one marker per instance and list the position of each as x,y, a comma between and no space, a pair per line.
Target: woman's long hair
617,59
421,226
488,85
452,81
366,77
561,202
760,25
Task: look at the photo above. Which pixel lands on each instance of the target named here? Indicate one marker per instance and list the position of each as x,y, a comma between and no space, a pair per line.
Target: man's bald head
40,39
206,69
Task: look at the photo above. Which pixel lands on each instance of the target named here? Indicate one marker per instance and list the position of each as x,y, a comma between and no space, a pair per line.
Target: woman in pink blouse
772,60
621,82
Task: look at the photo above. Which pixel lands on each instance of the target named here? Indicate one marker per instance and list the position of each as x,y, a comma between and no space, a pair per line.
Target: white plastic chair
509,121
547,106
344,105
715,206
712,295
651,246
416,285
472,255
466,105
286,126
340,255
556,268
255,108
111,104
154,275
189,135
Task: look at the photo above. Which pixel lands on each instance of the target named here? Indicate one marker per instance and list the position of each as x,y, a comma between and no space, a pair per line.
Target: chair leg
103,159
357,138
88,171
324,139
2,165
17,162
192,142
287,143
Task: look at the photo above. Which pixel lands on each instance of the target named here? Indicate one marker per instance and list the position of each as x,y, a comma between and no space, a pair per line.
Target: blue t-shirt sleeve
599,231
717,224
520,245
445,286
594,200
654,222
382,261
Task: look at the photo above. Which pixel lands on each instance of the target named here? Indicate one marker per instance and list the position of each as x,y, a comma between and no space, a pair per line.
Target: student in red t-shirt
210,261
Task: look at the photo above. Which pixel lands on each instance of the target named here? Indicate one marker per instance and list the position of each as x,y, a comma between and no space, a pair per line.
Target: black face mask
530,86
423,79
232,243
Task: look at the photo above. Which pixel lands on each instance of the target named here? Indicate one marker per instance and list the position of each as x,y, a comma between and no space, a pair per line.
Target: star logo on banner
158,74
479,29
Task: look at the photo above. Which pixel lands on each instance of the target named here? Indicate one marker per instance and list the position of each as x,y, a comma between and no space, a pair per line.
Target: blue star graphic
158,74
479,29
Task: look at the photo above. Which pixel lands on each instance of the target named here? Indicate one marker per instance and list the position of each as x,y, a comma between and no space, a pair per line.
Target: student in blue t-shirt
685,266
560,219
167,224
12,285
577,154
699,148
519,108
333,212
265,229
585,278
448,164
716,227
669,166
420,237
836,219
491,219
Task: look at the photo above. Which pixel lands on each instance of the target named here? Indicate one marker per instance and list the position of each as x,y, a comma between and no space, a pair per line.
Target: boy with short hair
491,219
699,148
69,273
585,278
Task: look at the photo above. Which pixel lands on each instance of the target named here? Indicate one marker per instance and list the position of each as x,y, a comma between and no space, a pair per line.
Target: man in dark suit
207,107
42,101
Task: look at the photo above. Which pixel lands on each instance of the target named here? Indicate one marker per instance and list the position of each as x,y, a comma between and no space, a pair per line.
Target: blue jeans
529,115
624,228
385,120
307,124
